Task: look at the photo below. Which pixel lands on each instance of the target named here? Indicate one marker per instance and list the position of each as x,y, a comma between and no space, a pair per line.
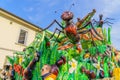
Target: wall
9,33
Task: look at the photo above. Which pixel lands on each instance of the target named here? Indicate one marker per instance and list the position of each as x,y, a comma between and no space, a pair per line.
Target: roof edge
20,18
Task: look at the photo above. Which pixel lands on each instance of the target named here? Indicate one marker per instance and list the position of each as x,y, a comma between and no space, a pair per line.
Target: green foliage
109,35
10,60
50,54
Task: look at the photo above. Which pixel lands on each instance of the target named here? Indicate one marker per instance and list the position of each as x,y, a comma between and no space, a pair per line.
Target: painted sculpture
84,47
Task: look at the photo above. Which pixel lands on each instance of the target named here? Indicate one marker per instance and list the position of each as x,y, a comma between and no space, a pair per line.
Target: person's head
11,67
45,69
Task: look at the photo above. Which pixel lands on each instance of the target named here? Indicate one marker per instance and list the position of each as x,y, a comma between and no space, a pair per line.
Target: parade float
74,51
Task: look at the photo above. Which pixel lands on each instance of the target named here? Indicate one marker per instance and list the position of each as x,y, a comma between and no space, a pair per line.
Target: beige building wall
10,27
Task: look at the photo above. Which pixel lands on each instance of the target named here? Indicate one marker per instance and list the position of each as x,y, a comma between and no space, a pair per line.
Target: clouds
110,7
29,9
115,33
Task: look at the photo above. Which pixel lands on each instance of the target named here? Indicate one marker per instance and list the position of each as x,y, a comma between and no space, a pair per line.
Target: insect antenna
109,19
100,17
71,6
58,11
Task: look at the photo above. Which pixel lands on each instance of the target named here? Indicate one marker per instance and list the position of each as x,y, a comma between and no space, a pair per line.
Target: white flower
98,67
73,64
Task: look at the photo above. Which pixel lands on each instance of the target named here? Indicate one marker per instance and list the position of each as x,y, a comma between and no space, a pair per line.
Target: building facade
15,34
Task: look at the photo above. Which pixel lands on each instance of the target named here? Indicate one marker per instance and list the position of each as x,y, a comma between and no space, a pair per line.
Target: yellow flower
73,64
116,73
87,55
97,66
20,59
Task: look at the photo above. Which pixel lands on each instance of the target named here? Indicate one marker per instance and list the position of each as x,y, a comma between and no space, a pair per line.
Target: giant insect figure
101,21
99,25
72,31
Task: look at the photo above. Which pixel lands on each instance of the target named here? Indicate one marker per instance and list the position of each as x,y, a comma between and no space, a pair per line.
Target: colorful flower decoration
18,69
98,67
87,55
116,73
20,59
73,64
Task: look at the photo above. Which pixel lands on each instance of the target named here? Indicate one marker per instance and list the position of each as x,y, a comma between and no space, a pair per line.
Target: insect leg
55,32
84,32
94,30
84,26
59,24
55,21
58,35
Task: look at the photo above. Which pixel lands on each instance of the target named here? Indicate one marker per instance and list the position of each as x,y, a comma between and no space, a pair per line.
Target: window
22,36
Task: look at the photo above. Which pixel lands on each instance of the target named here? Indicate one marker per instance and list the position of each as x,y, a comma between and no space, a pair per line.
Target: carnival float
79,50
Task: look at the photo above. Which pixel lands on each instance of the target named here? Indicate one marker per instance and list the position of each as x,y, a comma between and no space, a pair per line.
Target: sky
42,12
